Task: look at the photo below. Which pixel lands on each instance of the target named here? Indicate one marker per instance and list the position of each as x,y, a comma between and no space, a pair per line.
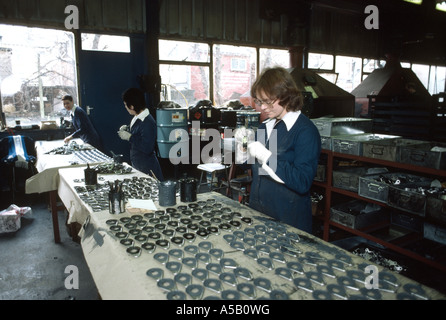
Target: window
238,64
422,72
102,42
38,67
320,61
274,58
349,70
441,6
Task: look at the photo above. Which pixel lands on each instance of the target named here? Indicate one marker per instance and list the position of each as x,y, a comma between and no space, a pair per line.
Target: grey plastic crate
428,154
353,144
357,214
329,127
388,149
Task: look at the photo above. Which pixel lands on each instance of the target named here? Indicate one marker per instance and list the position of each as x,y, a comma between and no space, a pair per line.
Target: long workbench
243,255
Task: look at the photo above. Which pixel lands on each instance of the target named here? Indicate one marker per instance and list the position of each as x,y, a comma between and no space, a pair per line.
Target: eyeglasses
267,103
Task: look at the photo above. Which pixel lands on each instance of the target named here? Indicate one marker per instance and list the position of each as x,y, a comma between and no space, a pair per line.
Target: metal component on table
260,228
228,278
176,295
134,251
247,289
336,264
314,256
371,294
405,296
347,282
190,262
111,222
191,249
216,253
249,241
252,253
274,244
229,238
284,273
170,233
266,262
213,284
230,295
149,247
338,291
278,295
203,257
167,284
263,284
135,232
176,253
295,266
163,243
293,236
116,228
214,268
195,291
190,237
237,245
127,242
357,275
121,235
205,246
202,233
316,277
388,278
290,250
174,267
154,235
263,248
155,273
322,295
179,241
200,274
326,271
260,238
344,259
184,279
228,263
161,257
415,290
385,286
303,283
243,273
277,256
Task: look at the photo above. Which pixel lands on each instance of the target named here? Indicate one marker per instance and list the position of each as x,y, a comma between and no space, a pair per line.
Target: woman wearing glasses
285,154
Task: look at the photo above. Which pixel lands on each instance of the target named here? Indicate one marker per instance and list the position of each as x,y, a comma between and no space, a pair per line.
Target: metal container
352,144
172,128
348,178
357,214
434,233
387,149
428,154
407,221
329,127
436,207
409,197
376,187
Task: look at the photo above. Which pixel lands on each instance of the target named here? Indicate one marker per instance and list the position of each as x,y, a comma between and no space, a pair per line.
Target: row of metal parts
90,156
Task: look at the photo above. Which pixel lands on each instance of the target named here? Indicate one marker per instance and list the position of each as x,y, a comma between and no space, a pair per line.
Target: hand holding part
124,128
124,135
258,150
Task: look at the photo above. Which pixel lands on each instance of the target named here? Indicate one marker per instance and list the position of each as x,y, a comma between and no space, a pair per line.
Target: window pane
437,79
273,58
230,83
422,72
349,69
184,51
103,42
38,67
184,85
320,61
371,64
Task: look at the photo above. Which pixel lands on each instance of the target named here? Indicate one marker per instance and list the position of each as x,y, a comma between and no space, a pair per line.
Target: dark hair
67,97
277,83
134,97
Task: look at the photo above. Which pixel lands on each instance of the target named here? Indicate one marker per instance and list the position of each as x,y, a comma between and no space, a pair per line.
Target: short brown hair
277,83
67,97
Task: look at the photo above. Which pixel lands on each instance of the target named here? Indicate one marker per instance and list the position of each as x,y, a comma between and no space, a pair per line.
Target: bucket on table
167,193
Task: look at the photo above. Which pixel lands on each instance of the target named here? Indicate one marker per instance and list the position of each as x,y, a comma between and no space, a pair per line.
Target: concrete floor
32,265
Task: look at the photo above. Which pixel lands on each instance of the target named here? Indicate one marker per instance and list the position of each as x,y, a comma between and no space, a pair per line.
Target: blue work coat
297,157
84,128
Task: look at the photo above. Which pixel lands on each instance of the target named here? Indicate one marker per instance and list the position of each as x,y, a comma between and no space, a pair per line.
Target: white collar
72,109
289,119
141,116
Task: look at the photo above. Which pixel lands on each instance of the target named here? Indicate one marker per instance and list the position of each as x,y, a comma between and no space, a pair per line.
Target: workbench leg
54,215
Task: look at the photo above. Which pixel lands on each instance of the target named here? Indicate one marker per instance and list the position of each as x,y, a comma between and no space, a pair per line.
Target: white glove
243,137
124,135
271,173
258,150
124,128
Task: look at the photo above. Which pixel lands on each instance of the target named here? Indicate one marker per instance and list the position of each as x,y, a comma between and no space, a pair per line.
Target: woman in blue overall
141,134
286,152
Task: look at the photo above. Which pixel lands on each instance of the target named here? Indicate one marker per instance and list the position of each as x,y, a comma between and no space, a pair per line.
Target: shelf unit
330,191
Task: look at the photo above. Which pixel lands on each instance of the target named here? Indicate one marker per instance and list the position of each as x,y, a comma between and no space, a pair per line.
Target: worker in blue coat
285,153
141,134
83,127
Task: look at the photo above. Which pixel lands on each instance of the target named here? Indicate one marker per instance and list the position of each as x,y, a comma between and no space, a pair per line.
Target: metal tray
352,144
428,154
342,126
387,149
